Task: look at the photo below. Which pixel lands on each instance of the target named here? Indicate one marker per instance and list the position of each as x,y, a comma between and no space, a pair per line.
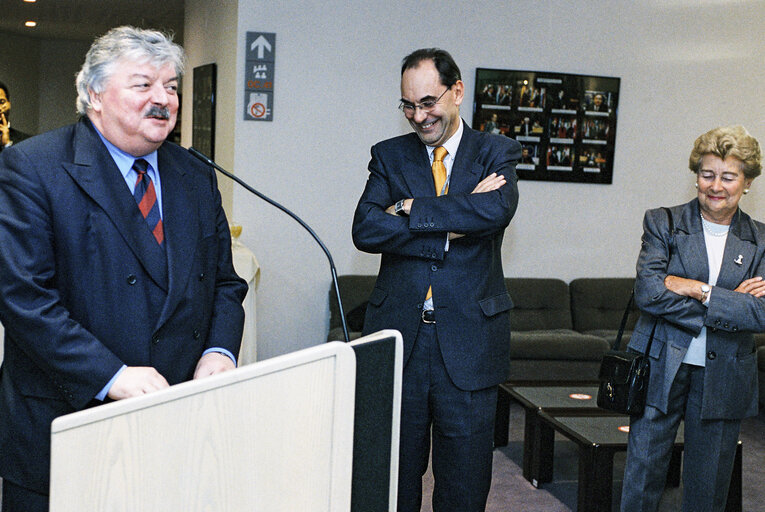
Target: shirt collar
451,145
125,160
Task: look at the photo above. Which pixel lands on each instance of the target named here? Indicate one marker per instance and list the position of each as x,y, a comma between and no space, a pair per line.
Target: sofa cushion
538,304
598,303
559,344
610,336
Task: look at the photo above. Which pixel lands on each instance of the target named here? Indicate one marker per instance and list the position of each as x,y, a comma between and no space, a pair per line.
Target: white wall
213,40
686,66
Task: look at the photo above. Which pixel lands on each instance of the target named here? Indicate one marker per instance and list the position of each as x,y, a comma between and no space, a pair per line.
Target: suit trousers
20,499
462,426
708,453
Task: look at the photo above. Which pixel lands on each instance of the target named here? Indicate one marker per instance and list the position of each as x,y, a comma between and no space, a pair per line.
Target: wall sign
259,76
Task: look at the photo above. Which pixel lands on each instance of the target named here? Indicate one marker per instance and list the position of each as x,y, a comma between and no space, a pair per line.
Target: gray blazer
730,379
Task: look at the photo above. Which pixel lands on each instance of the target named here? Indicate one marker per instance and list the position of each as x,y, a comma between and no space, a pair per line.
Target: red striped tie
146,197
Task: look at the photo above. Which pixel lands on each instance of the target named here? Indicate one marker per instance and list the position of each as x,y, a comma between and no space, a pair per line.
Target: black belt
428,316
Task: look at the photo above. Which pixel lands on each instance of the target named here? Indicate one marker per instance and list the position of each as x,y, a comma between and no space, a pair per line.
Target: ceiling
86,19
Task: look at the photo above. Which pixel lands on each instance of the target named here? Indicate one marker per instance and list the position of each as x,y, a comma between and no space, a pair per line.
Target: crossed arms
481,213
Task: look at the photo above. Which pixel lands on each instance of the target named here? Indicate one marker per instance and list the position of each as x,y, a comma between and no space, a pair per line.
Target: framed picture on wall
203,119
565,123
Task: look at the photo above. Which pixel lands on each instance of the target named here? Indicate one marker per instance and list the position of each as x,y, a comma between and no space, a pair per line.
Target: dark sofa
560,331
550,341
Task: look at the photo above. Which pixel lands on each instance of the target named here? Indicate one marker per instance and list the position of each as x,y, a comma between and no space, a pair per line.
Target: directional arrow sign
261,44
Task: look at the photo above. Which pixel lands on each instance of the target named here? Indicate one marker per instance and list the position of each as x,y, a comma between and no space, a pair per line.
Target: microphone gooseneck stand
300,221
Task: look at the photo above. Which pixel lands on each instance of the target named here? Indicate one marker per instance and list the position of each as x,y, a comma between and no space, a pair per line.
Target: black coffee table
557,400
598,438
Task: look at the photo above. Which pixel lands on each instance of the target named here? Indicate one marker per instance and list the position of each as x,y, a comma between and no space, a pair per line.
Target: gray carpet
510,492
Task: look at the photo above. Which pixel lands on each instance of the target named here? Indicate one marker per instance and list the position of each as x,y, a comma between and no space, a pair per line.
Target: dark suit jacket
730,378
471,301
85,288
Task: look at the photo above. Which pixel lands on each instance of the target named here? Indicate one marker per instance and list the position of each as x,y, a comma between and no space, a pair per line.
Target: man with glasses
8,135
436,205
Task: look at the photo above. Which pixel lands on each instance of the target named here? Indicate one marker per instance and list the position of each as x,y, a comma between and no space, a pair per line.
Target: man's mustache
158,112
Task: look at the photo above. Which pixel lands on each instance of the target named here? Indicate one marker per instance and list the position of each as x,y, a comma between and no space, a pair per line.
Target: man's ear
95,100
459,92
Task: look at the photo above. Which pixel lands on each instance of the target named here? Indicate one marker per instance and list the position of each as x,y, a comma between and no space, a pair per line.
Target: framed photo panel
203,118
565,123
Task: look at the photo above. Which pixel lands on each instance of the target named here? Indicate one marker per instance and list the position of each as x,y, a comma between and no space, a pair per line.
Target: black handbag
623,377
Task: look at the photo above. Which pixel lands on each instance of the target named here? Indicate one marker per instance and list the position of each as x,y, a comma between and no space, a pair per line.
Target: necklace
711,231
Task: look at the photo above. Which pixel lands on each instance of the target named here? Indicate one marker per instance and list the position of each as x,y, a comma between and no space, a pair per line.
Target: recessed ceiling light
30,23
30,1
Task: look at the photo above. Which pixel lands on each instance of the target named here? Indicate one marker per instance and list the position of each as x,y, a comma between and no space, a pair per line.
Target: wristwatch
705,289
400,208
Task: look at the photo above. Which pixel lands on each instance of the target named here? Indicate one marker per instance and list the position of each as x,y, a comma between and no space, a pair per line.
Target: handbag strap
671,228
618,340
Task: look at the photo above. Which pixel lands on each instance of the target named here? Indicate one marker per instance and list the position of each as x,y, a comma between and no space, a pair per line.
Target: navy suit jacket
85,288
471,301
730,378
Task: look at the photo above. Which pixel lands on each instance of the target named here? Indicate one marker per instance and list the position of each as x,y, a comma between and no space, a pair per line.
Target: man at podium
116,277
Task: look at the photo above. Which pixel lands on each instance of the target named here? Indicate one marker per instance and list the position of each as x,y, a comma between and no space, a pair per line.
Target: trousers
460,424
708,454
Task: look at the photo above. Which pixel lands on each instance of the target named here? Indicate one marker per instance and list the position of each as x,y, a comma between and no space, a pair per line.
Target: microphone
300,221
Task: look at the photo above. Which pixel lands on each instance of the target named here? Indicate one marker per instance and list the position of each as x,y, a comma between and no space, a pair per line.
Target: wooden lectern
273,436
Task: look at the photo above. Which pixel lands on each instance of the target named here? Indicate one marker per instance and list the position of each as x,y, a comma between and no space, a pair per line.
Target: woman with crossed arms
703,288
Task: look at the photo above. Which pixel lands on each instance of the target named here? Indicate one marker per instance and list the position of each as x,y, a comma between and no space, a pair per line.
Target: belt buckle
428,316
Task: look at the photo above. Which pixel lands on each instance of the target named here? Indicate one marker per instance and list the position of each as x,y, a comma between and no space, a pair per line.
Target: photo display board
203,119
565,123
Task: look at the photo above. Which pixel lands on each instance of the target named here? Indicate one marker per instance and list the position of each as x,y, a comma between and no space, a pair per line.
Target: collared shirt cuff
102,395
709,296
220,351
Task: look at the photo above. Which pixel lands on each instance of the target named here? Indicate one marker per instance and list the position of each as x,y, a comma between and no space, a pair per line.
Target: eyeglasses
410,109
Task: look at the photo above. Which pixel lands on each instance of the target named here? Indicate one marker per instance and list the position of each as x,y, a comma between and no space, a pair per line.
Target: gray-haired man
116,277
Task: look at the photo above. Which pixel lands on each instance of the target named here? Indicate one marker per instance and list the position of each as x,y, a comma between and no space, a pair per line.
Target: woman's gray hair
131,43
727,141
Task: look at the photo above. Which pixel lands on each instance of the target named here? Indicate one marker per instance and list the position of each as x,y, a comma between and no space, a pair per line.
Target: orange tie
439,178
438,168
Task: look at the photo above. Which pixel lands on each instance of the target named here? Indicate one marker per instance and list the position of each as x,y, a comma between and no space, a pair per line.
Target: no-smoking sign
257,110
258,105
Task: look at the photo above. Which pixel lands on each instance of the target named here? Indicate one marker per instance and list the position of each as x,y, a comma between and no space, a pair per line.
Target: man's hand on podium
136,381
212,363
